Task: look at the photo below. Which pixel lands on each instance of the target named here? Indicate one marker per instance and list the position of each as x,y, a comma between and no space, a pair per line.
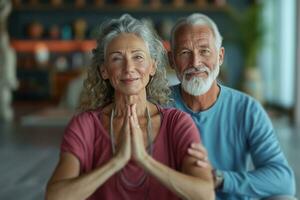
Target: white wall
278,59
297,88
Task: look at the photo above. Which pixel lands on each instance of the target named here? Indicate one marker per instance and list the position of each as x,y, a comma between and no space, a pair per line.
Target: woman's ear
103,72
153,69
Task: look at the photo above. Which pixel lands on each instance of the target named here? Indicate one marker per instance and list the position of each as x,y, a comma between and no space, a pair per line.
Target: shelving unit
29,46
166,8
48,82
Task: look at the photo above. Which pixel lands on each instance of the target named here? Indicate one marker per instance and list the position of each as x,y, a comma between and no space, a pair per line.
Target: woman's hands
132,141
139,152
124,150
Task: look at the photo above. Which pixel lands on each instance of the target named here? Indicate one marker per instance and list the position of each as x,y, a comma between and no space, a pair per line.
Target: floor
28,155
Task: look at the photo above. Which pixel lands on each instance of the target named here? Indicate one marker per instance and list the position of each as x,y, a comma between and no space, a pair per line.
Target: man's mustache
196,69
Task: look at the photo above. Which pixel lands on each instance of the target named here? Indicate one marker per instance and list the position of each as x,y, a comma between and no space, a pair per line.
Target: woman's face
128,64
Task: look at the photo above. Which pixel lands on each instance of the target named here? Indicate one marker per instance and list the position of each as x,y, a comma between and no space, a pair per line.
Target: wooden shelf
29,46
169,8
49,83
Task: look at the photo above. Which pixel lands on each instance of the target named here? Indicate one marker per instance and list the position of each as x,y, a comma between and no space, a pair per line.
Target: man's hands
199,152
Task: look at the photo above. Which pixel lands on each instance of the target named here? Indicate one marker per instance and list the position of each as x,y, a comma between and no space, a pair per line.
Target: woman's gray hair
198,19
97,91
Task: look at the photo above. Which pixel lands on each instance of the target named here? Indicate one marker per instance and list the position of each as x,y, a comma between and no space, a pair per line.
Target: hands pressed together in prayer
132,141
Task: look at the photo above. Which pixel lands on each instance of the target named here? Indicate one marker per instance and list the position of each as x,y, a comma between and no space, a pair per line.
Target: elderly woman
124,145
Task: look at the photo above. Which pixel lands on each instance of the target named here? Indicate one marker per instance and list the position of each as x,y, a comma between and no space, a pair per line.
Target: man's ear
221,55
103,72
171,61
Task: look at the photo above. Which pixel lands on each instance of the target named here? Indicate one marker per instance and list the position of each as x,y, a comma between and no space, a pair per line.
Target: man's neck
202,102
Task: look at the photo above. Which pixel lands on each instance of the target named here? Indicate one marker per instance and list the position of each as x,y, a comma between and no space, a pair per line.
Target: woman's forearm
83,186
185,186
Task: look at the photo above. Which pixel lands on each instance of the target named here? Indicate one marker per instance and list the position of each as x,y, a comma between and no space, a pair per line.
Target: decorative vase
130,3
201,3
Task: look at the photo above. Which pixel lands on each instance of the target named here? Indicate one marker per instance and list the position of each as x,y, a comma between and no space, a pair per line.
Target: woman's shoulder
83,115
88,118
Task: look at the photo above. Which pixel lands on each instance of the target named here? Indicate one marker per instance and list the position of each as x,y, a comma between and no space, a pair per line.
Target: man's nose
196,59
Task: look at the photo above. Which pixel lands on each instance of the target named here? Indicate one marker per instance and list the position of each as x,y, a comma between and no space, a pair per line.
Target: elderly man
233,126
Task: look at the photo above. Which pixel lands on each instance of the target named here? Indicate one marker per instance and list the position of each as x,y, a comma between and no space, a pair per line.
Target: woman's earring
103,73
150,80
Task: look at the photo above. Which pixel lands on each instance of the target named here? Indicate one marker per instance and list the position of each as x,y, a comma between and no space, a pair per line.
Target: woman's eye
116,58
138,57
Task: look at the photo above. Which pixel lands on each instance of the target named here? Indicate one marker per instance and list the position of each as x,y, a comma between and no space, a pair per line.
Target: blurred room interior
52,42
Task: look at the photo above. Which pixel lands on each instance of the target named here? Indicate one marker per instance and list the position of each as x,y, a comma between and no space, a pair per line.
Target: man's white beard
197,86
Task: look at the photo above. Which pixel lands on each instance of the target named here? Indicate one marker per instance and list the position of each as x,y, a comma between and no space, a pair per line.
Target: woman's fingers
134,116
138,147
124,150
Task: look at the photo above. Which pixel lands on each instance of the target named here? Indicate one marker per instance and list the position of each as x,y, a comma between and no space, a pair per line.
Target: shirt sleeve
77,138
184,133
271,174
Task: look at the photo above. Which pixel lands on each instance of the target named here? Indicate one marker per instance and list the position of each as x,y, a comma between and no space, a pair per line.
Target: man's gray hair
198,19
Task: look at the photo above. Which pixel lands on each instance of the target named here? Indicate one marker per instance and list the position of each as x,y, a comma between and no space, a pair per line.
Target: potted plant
249,36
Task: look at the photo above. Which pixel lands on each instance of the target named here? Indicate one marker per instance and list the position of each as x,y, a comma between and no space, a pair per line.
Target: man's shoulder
239,100
231,91
234,94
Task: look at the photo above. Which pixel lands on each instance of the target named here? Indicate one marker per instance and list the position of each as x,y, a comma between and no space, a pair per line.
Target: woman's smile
129,80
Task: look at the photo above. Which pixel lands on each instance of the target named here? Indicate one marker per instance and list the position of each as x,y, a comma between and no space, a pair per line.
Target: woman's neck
122,101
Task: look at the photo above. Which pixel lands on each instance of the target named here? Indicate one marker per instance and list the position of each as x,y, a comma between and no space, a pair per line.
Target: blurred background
45,46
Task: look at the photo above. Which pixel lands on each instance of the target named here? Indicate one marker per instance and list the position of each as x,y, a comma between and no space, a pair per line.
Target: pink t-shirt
86,138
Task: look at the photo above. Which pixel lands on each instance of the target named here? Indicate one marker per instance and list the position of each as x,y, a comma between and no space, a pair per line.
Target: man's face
196,59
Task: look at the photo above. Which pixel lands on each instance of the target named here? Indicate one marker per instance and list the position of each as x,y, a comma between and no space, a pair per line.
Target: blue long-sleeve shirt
236,130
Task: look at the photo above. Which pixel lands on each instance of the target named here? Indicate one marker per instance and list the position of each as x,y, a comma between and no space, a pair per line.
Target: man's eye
205,51
184,52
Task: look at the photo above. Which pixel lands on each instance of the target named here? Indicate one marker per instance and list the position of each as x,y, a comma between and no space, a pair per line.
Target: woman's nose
129,66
